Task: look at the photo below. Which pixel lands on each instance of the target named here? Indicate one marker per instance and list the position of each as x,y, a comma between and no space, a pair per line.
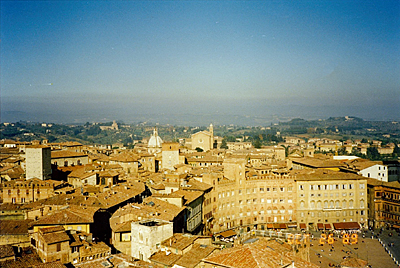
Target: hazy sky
93,60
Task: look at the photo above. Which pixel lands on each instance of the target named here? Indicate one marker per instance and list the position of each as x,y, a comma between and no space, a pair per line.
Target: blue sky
98,60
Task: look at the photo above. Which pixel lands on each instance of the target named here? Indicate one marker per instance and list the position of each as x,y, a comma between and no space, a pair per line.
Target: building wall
15,239
194,214
38,162
256,201
384,204
50,252
25,192
331,201
77,227
122,242
202,140
379,172
70,161
170,155
146,240
78,182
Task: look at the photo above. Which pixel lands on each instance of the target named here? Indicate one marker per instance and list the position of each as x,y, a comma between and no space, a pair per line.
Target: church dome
155,140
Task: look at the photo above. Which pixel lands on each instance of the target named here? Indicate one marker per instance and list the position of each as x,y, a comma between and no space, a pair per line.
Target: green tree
373,154
223,144
257,143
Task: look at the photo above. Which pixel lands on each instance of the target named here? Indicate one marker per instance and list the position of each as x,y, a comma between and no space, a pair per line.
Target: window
58,247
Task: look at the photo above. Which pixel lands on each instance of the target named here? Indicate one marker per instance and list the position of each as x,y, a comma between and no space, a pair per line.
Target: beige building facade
327,197
38,162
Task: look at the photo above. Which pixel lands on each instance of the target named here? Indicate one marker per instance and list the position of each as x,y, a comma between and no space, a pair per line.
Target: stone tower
38,162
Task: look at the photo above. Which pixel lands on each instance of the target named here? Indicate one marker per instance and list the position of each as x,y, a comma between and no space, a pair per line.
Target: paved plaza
367,249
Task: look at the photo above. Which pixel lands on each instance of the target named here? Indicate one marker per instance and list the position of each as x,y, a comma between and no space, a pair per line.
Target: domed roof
155,140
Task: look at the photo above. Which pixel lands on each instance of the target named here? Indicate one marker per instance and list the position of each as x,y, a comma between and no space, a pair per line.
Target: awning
303,226
277,225
320,226
292,225
227,234
346,225
270,226
395,226
328,226
282,226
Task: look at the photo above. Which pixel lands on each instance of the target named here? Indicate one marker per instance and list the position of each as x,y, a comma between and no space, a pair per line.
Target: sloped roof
66,154
55,237
256,255
14,227
179,241
66,216
194,256
6,251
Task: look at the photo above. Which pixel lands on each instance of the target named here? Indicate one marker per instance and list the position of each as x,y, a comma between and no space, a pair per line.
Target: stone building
147,236
383,204
325,197
204,140
170,155
19,192
51,244
68,158
38,162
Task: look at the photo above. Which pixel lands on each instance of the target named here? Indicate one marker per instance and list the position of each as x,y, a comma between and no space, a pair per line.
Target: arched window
362,204
351,204
344,204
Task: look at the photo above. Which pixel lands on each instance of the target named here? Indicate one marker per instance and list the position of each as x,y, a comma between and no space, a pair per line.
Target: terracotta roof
165,258
316,162
28,258
320,174
114,261
360,164
55,236
6,251
391,184
54,264
151,208
124,157
81,173
189,196
67,216
94,248
227,233
66,154
194,256
261,253
179,241
14,227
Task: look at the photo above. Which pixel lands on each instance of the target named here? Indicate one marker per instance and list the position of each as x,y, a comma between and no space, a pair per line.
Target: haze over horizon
199,61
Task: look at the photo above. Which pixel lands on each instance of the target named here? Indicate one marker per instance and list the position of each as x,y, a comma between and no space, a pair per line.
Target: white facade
379,172
38,162
147,236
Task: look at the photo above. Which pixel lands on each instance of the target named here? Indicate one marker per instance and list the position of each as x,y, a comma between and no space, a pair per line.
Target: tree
223,144
257,143
373,154
198,149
